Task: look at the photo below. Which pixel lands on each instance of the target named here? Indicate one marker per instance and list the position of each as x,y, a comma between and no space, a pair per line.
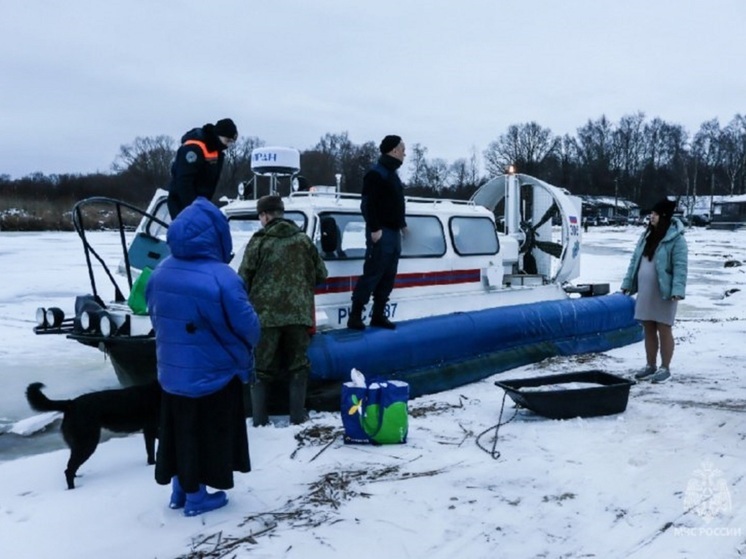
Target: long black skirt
203,440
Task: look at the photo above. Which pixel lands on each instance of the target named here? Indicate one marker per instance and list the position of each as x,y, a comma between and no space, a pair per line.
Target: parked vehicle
700,220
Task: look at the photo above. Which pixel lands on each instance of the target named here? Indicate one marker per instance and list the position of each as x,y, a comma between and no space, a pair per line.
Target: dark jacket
281,267
383,196
196,168
205,327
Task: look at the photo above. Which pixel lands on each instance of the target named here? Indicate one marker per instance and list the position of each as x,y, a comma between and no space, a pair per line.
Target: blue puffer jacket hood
201,231
205,327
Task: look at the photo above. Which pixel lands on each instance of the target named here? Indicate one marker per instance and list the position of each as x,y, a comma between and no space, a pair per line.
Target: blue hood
201,231
205,327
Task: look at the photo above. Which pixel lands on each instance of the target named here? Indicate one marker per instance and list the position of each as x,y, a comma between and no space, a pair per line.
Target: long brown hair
655,236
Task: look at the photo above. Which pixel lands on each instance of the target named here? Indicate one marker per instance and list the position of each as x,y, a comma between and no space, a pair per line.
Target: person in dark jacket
198,163
657,272
205,333
280,268
384,212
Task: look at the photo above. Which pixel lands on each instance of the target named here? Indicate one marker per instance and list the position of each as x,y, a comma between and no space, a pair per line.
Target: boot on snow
297,397
201,501
178,495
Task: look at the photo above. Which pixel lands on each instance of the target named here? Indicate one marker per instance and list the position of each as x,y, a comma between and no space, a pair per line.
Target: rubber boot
259,416
297,394
201,501
178,496
379,318
355,322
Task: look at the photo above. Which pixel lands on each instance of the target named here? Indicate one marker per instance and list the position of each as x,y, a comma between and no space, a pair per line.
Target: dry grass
42,215
317,507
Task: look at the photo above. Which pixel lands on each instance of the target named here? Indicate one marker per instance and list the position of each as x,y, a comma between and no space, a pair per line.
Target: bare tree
237,165
595,151
525,145
357,164
472,168
459,173
665,162
147,160
418,163
733,145
437,174
464,173
664,142
567,159
334,154
629,151
708,146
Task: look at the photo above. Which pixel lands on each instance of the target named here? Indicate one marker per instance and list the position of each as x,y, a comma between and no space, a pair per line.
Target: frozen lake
45,269
663,479
48,269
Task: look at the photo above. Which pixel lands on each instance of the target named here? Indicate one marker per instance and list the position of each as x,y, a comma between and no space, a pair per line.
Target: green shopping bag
136,300
386,416
375,413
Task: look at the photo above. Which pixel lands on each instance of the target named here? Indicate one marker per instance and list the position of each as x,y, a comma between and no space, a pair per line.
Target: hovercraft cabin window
472,236
342,237
424,238
155,229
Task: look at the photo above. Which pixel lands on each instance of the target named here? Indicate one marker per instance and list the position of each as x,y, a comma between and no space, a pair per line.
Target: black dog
125,410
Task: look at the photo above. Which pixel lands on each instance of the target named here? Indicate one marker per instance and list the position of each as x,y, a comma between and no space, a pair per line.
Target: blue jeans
379,270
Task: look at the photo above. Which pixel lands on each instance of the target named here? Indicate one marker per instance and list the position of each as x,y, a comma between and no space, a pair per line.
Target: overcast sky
79,79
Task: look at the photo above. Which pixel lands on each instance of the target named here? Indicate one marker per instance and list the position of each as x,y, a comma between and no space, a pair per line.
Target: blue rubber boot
201,501
178,496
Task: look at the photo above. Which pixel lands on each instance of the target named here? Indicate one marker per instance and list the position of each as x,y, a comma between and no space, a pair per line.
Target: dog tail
39,402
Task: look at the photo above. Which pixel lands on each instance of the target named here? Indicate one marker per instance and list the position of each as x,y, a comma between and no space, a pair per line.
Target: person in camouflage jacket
280,268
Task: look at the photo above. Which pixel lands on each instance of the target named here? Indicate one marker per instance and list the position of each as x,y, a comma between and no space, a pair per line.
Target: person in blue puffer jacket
205,332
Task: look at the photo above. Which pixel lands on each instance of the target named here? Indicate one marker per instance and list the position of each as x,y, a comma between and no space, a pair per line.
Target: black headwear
664,208
389,143
227,128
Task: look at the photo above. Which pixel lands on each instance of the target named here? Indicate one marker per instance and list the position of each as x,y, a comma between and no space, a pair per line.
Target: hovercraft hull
437,353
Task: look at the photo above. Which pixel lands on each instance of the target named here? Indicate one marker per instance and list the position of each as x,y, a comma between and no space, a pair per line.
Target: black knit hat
227,128
664,208
389,143
270,204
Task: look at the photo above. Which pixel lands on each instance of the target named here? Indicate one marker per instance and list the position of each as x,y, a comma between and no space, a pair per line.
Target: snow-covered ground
663,479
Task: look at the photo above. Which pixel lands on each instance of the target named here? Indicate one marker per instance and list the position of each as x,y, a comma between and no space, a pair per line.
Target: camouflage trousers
282,352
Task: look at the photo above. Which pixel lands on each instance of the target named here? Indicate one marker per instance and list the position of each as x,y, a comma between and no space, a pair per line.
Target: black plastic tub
585,394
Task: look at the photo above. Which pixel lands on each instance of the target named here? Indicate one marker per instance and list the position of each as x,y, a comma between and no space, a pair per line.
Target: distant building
729,212
720,212
609,210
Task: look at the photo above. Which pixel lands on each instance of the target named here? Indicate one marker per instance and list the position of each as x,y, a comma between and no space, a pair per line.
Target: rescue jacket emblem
210,156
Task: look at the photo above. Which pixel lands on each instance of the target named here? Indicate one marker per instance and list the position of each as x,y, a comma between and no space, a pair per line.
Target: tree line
635,158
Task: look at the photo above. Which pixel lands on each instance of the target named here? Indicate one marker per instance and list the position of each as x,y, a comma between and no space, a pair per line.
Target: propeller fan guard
538,205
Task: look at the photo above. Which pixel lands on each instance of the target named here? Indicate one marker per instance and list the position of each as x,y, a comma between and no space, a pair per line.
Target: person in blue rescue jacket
657,273
383,208
198,163
205,332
